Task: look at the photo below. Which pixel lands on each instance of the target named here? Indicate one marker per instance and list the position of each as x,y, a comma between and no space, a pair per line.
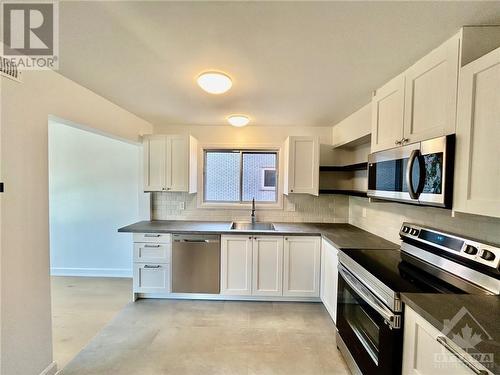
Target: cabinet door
177,167
303,165
423,354
267,266
154,163
431,94
477,172
151,278
236,265
301,266
329,278
388,114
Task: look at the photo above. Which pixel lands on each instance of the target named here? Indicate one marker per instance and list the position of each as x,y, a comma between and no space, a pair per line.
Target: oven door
369,330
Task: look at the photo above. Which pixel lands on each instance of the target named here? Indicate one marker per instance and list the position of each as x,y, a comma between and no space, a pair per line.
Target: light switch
182,206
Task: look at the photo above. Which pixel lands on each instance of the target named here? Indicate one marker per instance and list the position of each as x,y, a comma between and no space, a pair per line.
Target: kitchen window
238,176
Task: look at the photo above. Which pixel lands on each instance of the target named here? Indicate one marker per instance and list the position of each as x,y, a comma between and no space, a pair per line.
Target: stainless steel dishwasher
196,263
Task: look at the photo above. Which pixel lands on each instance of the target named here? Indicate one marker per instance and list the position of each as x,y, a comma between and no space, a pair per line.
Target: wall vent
9,69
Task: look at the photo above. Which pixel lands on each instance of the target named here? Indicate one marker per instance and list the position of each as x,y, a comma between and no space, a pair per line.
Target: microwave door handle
414,194
392,320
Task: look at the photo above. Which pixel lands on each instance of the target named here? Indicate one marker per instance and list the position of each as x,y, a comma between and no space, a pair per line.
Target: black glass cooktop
393,268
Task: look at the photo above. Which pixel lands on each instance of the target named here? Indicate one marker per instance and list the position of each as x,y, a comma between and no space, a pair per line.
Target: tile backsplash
385,218
183,206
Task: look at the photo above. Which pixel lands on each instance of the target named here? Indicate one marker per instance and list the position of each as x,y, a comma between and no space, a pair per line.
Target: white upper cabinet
170,163
431,93
301,266
301,165
267,266
388,105
477,169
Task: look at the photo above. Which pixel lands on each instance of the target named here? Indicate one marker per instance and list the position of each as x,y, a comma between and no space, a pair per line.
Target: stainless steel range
369,308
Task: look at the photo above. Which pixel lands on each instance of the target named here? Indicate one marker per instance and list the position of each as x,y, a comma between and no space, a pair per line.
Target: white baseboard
91,272
50,369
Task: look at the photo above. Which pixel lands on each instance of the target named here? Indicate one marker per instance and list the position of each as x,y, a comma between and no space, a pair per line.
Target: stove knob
471,250
406,229
487,255
415,232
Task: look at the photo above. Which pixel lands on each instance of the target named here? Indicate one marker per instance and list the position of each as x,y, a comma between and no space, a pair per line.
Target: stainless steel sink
252,226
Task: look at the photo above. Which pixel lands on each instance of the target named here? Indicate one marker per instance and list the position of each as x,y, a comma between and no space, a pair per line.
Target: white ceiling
308,63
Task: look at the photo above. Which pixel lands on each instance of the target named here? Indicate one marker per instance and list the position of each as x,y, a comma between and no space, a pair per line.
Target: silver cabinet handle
152,235
398,142
151,245
149,266
405,140
392,320
457,353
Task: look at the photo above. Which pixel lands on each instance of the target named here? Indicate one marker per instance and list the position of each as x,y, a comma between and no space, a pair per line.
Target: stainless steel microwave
418,173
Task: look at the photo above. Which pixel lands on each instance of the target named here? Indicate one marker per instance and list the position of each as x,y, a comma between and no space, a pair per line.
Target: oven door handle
391,319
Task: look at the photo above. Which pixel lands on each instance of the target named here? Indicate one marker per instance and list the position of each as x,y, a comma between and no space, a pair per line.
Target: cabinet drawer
152,252
153,237
151,278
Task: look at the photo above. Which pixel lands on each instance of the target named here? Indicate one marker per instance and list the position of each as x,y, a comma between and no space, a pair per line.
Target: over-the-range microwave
419,173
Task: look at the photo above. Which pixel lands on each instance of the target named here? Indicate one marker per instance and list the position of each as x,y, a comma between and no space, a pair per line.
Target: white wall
94,187
25,285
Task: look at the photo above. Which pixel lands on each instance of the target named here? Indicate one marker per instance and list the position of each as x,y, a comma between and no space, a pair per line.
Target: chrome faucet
252,216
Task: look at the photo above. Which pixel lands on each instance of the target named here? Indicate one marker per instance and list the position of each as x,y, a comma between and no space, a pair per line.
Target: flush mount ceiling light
238,120
214,82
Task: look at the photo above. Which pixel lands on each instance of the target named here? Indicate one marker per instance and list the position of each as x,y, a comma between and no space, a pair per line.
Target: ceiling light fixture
238,120
214,82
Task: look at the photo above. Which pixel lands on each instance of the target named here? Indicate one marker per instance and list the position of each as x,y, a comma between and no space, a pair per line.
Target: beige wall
26,345
385,219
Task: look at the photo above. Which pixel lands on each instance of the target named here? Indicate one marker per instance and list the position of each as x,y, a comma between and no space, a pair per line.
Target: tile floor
81,307
152,337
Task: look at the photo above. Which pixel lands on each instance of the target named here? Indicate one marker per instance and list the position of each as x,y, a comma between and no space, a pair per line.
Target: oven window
361,323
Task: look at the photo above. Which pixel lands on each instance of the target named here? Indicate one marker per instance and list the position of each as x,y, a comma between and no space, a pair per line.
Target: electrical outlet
182,206
364,212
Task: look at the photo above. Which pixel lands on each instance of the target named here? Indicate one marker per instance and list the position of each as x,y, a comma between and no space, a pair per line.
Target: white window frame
263,179
239,205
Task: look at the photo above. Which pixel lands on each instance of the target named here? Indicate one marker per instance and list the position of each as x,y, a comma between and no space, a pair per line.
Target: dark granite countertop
482,315
342,236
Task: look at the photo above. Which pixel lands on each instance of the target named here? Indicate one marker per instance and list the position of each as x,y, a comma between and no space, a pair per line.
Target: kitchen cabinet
151,278
477,175
301,266
267,276
152,260
431,94
388,114
329,278
423,354
236,265
301,165
420,103
170,163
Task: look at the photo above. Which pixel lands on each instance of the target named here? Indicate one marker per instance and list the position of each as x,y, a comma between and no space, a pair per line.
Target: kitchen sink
252,226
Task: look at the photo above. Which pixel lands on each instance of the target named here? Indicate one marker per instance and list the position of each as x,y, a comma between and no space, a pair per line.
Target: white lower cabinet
267,275
329,278
301,266
270,266
423,354
151,278
236,265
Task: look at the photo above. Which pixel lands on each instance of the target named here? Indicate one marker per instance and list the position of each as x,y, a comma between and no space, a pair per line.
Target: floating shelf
344,168
356,193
